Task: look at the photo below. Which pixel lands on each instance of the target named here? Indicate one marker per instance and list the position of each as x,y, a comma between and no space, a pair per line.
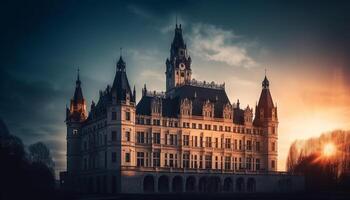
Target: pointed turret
121,64
265,109
78,93
134,93
178,65
77,109
266,118
178,41
121,88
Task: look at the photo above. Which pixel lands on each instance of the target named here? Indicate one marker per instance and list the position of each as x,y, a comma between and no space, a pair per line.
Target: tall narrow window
194,125
127,157
186,140
227,162
114,115
228,143
249,145
156,138
127,136
171,160
140,159
235,162
127,116
114,136
273,164
208,161
257,164
186,160
207,141
156,159
248,163
140,137
195,162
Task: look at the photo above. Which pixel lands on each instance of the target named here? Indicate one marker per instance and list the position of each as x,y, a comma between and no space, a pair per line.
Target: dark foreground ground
301,196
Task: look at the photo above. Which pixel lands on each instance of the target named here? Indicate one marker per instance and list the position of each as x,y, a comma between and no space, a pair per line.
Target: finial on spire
121,64
265,83
265,71
121,51
78,77
78,73
176,20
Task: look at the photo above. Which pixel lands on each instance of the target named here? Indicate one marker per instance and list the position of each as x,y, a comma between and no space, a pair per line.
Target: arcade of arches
211,184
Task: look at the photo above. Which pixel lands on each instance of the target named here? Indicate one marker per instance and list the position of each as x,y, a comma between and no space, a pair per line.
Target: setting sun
328,149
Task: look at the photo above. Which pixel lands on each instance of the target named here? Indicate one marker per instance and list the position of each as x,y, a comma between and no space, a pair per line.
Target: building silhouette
190,138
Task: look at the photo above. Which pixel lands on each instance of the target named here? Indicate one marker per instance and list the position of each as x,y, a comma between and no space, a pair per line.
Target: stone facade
190,138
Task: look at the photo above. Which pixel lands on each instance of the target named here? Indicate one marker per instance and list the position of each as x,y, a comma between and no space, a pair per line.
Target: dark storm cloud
33,110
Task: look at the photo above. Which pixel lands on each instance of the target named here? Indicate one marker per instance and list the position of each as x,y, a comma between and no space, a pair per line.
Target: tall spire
134,93
77,110
178,41
265,108
121,87
78,93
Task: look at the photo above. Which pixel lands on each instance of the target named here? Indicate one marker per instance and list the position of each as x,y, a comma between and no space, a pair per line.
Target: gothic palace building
190,138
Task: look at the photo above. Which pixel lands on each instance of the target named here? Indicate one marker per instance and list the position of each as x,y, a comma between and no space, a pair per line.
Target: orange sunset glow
329,149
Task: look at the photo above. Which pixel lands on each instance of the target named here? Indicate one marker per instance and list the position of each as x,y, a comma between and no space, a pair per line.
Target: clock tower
178,66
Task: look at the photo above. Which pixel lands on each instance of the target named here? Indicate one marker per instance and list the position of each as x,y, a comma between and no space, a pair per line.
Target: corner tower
121,114
266,117
75,116
178,65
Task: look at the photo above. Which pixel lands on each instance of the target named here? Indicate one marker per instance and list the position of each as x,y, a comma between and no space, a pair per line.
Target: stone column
156,184
196,185
183,184
171,184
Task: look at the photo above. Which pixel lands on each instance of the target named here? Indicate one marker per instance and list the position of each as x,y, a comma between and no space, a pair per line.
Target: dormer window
75,132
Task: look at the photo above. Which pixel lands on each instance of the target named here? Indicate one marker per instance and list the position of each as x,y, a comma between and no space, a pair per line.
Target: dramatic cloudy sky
303,46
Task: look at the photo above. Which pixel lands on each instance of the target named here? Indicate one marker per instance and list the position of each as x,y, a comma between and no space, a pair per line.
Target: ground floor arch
148,184
202,184
228,185
251,185
240,184
214,184
177,185
163,184
190,184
